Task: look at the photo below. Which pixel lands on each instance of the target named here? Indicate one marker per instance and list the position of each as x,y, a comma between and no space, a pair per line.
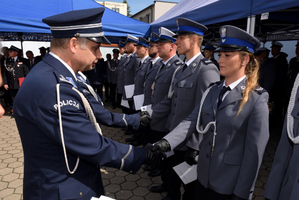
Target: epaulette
179,62
206,61
260,90
215,83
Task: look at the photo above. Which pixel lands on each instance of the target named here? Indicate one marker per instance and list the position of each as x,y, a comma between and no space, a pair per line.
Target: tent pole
248,24
252,25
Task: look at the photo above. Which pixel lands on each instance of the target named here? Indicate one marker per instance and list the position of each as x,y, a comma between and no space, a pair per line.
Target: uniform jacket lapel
59,67
173,59
190,69
234,95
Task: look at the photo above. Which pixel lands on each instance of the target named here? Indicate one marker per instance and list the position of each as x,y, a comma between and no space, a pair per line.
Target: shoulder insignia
179,62
67,80
207,61
260,90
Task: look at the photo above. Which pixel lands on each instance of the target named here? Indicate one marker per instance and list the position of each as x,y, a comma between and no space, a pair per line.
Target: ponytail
251,72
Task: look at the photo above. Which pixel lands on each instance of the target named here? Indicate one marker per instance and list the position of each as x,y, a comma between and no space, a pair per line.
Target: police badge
223,32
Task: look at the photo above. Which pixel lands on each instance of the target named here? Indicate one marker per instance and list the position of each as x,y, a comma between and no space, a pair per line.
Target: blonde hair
199,39
251,72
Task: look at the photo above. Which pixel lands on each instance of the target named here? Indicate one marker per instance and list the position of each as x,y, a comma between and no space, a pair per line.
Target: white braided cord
290,118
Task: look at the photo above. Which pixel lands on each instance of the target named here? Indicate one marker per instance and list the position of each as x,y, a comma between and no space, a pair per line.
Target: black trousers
113,94
119,98
203,193
11,96
98,89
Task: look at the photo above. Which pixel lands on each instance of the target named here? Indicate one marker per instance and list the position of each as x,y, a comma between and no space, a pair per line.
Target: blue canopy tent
284,15
25,18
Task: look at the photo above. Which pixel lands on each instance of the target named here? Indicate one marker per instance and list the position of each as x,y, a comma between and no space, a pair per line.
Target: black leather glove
161,145
234,197
145,119
190,156
153,159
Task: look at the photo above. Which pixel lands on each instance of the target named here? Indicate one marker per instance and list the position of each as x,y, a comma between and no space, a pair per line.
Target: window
115,9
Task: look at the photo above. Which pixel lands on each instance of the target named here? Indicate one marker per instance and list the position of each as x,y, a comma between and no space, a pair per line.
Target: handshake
155,153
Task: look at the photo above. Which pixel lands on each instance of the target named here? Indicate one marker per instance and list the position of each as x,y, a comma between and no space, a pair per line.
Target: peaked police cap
78,23
236,39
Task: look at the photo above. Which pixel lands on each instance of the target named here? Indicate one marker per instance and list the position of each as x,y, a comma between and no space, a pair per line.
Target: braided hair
251,72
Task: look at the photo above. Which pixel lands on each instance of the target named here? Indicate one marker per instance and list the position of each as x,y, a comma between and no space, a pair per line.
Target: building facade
154,11
115,6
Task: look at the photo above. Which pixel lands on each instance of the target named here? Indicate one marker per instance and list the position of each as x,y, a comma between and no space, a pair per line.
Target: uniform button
174,104
81,193
208,156
131,172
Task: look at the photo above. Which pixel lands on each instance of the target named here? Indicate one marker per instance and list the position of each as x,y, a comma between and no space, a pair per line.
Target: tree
128,8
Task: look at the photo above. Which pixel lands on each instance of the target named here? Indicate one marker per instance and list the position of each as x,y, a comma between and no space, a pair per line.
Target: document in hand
186,172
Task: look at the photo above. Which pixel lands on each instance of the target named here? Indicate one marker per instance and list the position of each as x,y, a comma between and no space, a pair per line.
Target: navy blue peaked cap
236,39
188,26
165,35
121,44
14,48
142,42
85,23
153,38
209,46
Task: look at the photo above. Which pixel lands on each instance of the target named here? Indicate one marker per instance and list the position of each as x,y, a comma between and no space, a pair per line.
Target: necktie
222,92
185,66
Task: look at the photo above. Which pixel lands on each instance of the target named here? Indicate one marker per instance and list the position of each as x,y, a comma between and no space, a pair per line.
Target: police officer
186,89
280,60
14,71
145,61
283,179
153,68
167,51
112,70
62,143
208,52
130,69
120,72
231,124
267,70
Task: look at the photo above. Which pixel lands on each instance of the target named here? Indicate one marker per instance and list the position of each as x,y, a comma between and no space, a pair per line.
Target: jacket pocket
185,84
73,190
232,159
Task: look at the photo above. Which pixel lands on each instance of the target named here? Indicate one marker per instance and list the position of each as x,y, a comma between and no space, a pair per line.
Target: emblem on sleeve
67,103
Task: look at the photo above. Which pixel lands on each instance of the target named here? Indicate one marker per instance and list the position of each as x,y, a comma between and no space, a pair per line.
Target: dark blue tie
222,92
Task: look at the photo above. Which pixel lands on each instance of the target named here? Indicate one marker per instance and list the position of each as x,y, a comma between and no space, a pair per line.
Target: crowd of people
216,115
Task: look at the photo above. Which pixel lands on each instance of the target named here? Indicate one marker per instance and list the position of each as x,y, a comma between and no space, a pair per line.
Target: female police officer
232,125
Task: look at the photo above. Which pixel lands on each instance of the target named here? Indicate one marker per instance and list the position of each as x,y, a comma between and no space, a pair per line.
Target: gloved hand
234,197
190,156
145,119
161,146
153,159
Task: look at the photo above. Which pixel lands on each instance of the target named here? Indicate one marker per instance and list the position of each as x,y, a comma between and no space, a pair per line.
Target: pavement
118,184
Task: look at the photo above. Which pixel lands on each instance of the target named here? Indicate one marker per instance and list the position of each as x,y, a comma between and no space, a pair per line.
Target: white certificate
186,172
138,101
129,89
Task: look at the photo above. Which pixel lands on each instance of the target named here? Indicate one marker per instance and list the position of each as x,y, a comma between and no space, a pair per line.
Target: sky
138,5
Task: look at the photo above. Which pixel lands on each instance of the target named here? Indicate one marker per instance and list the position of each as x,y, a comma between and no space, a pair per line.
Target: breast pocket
185,91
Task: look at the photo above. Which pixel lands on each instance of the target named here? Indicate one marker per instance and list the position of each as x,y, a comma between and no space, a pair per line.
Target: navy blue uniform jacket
45,172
